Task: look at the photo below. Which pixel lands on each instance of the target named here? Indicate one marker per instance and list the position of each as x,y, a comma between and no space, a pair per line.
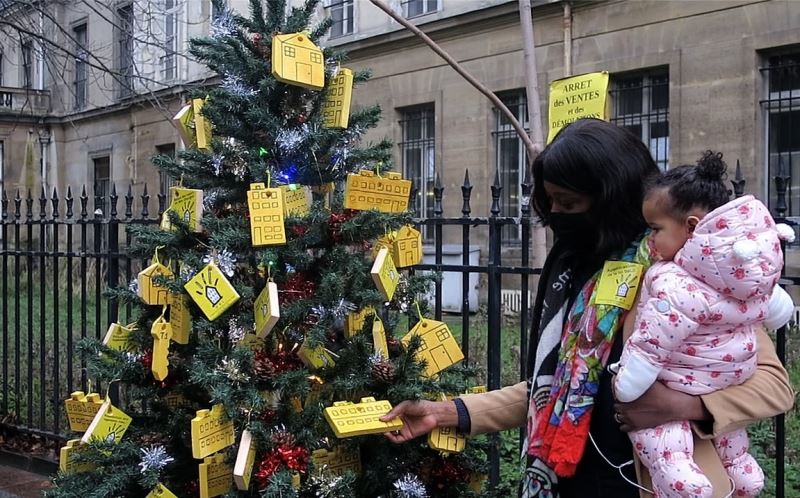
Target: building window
27,64
418,149
165,180
782,120
341,12
79,34
169,62
641,104
102,183
415,8
511,159
124,47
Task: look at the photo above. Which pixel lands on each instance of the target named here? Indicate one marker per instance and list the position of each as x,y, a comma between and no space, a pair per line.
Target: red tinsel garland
335,222
297,287
293,457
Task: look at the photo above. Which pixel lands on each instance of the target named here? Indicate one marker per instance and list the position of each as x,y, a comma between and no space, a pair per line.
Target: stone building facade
685,75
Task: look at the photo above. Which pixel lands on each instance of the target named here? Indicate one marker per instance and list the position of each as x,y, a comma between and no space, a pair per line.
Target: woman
588,188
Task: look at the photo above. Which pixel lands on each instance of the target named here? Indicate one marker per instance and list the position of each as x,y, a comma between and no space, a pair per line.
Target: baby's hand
634,377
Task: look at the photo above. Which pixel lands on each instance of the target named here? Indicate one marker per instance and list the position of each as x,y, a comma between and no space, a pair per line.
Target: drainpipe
44,149
567,18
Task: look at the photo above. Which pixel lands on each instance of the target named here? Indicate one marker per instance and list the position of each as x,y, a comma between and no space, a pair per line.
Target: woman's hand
420,418
658,405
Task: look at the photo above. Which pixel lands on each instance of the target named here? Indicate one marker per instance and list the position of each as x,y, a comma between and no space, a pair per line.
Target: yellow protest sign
619,283
576,97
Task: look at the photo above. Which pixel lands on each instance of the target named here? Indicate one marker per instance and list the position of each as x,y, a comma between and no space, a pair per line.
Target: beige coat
764,395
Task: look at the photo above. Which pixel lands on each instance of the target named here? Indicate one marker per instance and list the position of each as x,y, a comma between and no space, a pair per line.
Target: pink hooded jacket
697,316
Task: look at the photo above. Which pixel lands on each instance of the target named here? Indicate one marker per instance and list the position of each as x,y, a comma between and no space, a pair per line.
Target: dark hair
695,186
606,162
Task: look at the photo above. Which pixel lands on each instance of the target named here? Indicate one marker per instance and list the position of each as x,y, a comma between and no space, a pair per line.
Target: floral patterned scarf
558,432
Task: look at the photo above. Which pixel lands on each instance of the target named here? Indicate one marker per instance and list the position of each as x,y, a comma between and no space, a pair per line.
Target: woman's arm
766,394
499,410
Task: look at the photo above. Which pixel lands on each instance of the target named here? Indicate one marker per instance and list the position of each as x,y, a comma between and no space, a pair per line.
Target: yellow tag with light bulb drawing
619,284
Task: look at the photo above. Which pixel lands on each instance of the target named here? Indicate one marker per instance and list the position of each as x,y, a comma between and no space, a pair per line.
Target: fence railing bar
494,356
466,194
42,310
84,199
4,242
17,311
70,290
56,320
438,191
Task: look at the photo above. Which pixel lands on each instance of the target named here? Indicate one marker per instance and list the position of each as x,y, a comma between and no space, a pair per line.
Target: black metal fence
59,255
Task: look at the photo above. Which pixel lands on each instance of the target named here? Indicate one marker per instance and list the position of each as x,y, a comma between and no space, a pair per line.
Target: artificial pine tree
259,310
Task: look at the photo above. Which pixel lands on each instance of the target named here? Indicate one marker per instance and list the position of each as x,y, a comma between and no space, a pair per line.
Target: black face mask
577,230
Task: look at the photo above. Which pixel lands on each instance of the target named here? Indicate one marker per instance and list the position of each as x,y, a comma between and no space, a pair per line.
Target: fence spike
43,204
84,201
527,187
781,182
5,205
54,200
17,205
466,194
129,202
497,189
162,203
738,181
114,198
29,205
69,200
438,193
145,202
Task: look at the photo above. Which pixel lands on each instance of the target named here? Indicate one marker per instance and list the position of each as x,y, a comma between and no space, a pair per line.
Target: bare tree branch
523,135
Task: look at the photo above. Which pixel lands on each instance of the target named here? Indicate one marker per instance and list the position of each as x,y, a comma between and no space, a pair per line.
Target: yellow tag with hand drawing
619,284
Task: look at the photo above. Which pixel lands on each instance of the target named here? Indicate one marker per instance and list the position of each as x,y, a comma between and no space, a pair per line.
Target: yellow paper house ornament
447,439
295,200
162,334
151,292
216,476
109,424
267,310
357,419
66,461
180,318
245,458
211,291
439,348
160,491
187,204
194,128
387,194
336,110
81,410
266,215
212,431
315,358
379,338
297,61
118,337
337,461
384,274
407,247
354,322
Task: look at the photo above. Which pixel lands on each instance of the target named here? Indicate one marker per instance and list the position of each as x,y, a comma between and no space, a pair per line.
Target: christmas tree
276,318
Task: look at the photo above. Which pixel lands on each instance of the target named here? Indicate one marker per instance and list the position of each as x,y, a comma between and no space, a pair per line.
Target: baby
698,314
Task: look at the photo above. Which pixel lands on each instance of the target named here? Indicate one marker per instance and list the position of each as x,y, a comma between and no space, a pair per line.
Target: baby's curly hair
695,185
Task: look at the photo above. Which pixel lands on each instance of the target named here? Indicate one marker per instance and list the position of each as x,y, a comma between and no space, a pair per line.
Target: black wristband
464,422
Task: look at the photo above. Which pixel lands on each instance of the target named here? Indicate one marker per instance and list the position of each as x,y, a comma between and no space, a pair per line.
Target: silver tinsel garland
230,368
186,272
133,285
225,261
154,458
236,86
288,140
223,25
236,331
217,161
409,486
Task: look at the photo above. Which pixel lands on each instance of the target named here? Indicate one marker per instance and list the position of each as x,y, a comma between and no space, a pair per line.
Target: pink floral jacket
698,315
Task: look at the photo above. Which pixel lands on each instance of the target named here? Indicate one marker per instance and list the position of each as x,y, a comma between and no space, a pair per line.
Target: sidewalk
17,483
